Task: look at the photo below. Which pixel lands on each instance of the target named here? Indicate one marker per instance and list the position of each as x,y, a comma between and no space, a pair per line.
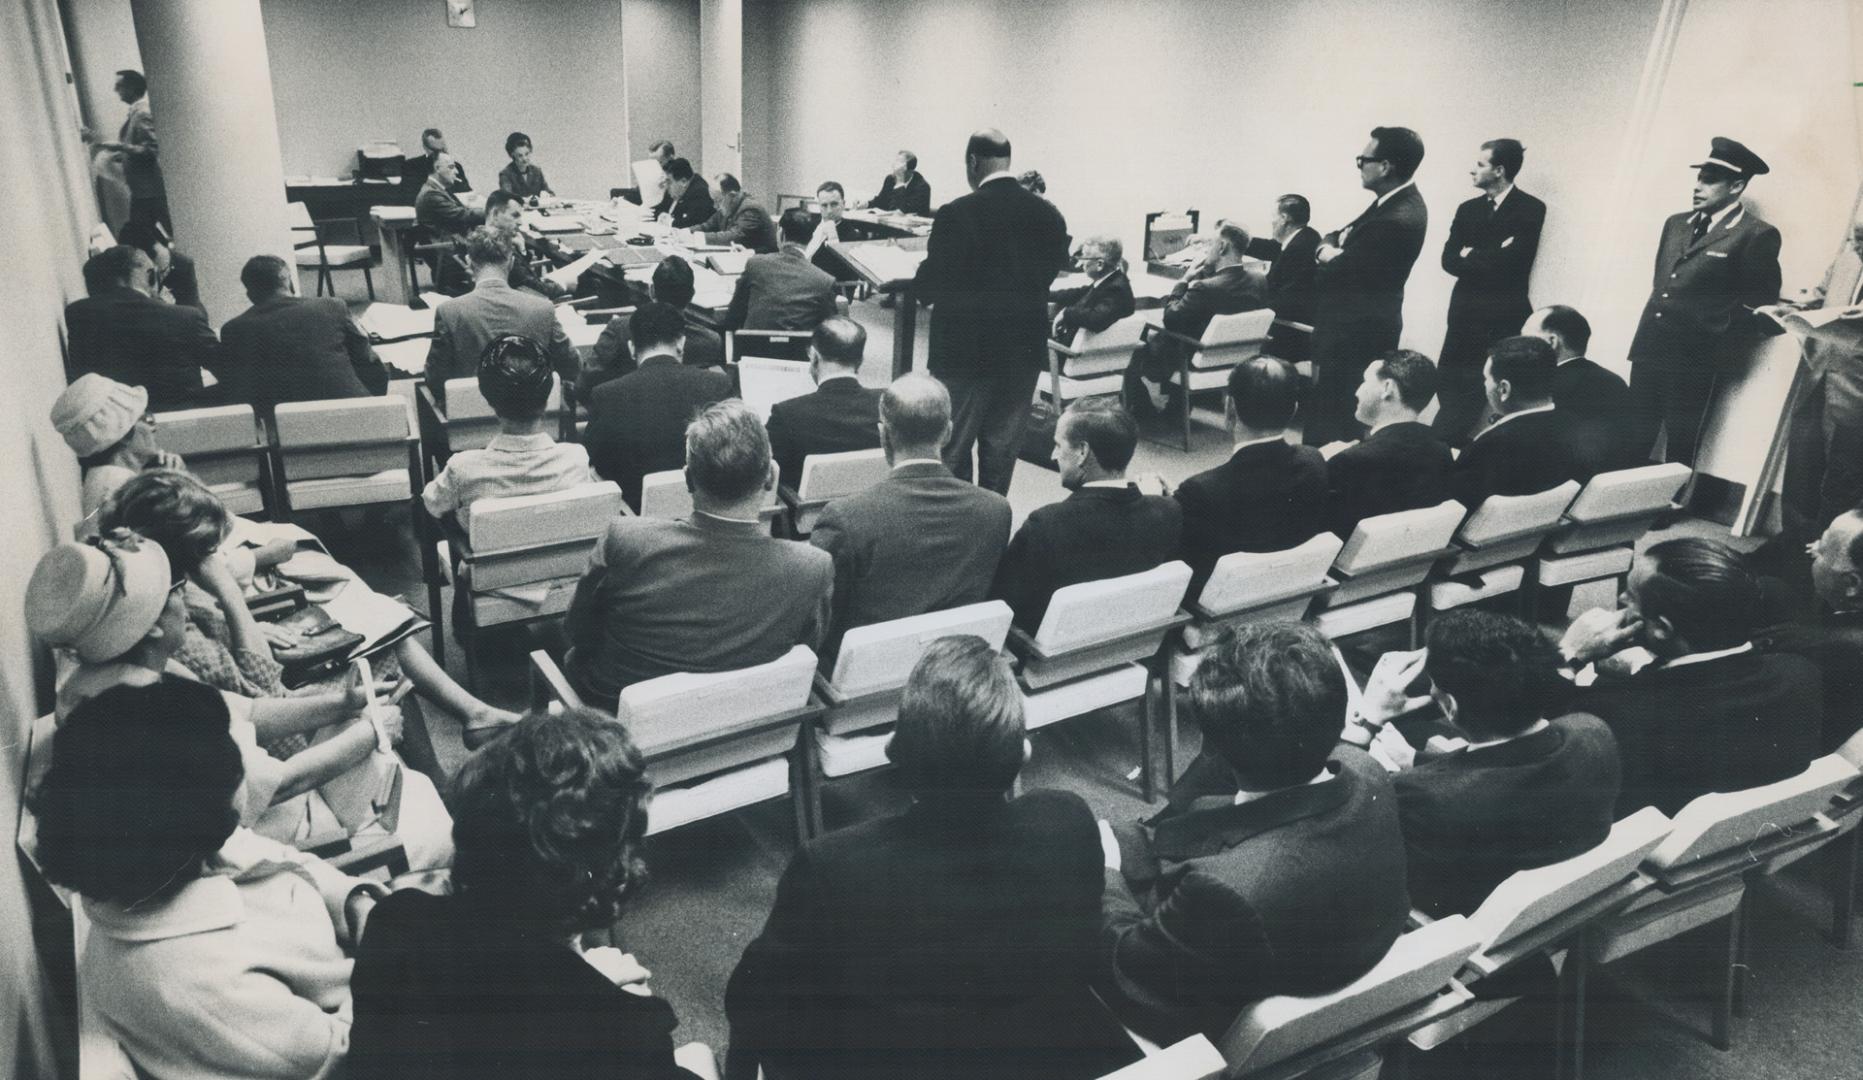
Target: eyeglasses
1361,160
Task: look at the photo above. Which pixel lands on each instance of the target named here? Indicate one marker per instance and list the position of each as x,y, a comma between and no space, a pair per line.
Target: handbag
323,646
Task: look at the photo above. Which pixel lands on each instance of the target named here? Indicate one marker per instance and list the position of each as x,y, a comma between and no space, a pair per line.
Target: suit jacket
440,209
1289,288
702,595
1268,496
1194,302
637,423
1725,724
1597,404
991,259
694,208
1094,533
913,198
463,326
840,415
748,224
523,184
1473,817
1490,297
295,348
1842,278
142,341
1296,892
1528,454
1697,309
921,540
1359,296
443,990
416,170
613,355
1094,306
956,938
781,292
1834,642
1401,466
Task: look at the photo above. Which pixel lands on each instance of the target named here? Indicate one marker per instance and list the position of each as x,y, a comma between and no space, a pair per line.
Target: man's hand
1384,697
620,968
1598,633
1327,253
1389,749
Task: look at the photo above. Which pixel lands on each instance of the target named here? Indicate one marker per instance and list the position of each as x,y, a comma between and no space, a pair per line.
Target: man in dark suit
637,423
1218,285
1277,865
123,332
1710,713
1105,527
1530,447
955,939
904,191
714,593
417,169
1529,789
991,259
1401,465
289,348
462,327
1289,288
438,206
1712,266
1103,300
1594,399
1359,303
1832,636
920,540
739,219
1269,496
840,415
783,291
688,203
1490,251
672,284
831,199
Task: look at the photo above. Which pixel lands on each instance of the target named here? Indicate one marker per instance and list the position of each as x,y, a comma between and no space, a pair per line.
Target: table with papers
889,267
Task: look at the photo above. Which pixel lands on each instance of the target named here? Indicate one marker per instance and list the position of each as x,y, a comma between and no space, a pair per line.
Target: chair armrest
1304,328
1154,330
549,684
788,496
828,691
430,409
1064,350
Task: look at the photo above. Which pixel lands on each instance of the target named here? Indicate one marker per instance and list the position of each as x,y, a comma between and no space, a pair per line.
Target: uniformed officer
1713,266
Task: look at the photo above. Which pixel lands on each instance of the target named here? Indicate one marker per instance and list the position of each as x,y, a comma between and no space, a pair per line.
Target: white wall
662,45
721,47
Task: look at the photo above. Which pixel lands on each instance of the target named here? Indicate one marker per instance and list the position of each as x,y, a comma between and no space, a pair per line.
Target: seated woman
212,952
109,427
493,980
115,604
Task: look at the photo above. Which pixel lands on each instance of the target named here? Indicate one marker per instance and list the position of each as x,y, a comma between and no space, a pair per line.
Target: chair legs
1730,989
1844,890
1170,728
369,281
1147,781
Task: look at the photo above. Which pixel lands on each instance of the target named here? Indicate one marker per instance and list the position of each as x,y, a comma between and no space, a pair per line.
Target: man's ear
691,488
1853,585
769,481
1658,631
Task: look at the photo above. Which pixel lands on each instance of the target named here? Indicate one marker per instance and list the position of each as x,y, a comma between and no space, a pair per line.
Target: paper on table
730,262
582,334
647,177
392,322
888,263
565,276
710,288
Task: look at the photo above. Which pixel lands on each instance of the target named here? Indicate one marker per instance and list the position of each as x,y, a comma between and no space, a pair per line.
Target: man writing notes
1490,253
689,199
738,218
1359,311
991,259
1713,265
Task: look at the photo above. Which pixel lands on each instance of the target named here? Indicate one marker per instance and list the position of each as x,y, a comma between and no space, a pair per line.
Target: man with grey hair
464,326
713,593
920,540
1218,285
1103,300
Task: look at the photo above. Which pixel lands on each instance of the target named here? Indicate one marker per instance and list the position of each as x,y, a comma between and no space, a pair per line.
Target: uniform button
1659,314
1672,277
1665,296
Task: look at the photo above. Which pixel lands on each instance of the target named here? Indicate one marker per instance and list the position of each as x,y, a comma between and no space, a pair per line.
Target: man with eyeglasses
123,331
1359,312
1103,300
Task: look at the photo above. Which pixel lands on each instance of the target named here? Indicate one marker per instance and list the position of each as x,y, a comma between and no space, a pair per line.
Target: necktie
1700,221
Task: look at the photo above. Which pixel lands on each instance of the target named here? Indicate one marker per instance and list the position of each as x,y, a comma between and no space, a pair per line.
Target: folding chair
1380,566
466,421
791,345
1280,1038
313,252
1495,545
714,743
1249,587
763,382
225,448
827,477
1598,536
1096,647
1094,364
861,695
1203,363
664,495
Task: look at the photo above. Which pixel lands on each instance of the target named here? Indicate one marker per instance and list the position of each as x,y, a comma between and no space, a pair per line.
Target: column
210,89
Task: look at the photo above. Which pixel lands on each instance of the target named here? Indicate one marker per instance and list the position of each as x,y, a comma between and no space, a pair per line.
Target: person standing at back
992,257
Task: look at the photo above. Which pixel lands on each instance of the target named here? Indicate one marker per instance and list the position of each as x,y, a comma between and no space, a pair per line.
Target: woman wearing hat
109,426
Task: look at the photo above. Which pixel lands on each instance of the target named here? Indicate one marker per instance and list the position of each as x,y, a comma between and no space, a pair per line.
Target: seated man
286,347
174,272
832,198
1401,464
1103,301
920,540
1529,789
739,219
1277,867
904,191
1105,528
124,332
437,205
504,213
671,285
522,177
463,327
1709,712
782,291
637,423
1269,496
1217,285
1594,399
714,593
1530,447
417,169
1833,637
954,939
522,459
840,415
688,201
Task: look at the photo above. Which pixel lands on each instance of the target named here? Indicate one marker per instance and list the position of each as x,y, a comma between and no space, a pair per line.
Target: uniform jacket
1698,302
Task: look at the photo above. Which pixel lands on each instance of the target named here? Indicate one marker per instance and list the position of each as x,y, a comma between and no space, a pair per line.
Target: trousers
988,414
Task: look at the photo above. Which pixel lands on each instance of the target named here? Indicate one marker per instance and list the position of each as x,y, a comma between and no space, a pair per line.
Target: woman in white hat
109,426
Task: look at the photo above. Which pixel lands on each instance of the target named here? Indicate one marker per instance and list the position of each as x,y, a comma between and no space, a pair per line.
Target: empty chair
1495,544
224,448
1380,566
1094,364
792,345
1599,533
1247,587
314,252
349,452
827,477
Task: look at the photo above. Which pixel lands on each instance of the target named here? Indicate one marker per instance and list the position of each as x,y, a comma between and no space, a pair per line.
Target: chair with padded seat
1253,587
665,495
827,477
1204,362
345,452
1598,535
790,345
762,382
312,251
466,421
225,448
1495,547
1380,566
1094,364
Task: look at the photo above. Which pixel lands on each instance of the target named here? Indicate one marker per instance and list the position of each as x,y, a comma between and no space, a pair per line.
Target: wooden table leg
905,328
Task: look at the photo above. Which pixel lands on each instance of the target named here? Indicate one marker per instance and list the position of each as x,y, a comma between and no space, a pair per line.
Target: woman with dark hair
493,980
212,952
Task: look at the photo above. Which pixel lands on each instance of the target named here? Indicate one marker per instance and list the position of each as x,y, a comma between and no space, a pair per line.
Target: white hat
95,413
99,598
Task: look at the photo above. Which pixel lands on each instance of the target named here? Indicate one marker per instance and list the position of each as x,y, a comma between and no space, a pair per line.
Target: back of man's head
1103,427
1701,589
1527,365
1574,329
1400,146
1271,701
960,728
1500,670
486,246
673,282
916,410
655,325
797,226
1234,236
1296,207
987,144
113,267
728,183
1414,375
264,276
727,452
515,376
497,201
840,342
1264,392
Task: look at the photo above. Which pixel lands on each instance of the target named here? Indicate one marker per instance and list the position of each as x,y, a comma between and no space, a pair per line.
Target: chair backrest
344,437
1111,607
1195,1058
1721,821
1529,898
538,536
791,345
1417,967
1238,329
221,444
1247,578
675,707
1503,517
880,656
1646,490
1121,337
470,421
836,476
664,495
1391,538
762,382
